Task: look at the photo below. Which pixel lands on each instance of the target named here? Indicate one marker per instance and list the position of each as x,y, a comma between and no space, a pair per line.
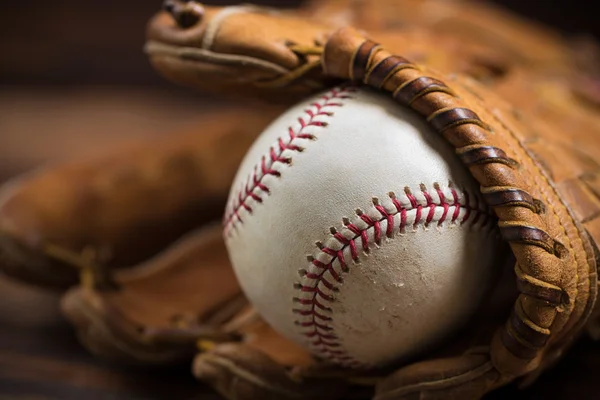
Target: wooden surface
40,357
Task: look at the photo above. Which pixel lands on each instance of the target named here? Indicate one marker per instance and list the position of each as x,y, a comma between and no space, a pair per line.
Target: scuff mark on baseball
356,232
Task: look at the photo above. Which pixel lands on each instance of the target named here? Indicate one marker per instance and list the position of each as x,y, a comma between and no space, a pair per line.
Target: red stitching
254,187
326,339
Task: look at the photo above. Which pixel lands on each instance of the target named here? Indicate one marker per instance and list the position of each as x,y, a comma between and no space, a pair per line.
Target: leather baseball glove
525,123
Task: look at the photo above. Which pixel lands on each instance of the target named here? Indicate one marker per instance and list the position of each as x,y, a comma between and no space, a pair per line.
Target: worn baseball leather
340,170
121,209
547,207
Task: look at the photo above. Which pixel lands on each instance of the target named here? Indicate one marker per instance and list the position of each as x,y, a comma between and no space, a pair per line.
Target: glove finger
280,60
123,208
161,308
212,56
278,54
240,371
466,377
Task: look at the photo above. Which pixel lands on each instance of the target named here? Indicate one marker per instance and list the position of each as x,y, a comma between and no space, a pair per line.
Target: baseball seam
321,280
255,187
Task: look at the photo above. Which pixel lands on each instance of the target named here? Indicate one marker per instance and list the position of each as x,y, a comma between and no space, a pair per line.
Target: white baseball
356,232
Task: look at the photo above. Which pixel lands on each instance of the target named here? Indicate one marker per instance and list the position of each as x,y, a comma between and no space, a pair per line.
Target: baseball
356,232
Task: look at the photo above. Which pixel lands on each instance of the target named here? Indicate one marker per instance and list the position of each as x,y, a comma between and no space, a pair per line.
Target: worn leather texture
525,123
543,206
56,221
556,270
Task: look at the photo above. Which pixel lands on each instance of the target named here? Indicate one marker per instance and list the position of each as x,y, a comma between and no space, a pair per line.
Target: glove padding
121,209
156,312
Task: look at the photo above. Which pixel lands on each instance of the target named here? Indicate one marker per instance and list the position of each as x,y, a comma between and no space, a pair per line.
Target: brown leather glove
547,208
248,49
544,206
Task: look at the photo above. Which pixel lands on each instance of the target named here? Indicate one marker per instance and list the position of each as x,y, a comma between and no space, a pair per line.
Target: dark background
73,83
